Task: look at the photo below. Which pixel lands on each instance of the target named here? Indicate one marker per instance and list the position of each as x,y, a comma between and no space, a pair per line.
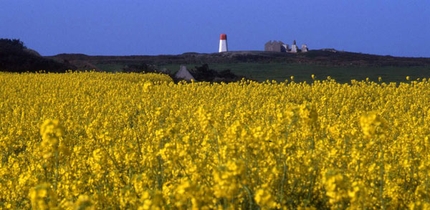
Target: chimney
223,43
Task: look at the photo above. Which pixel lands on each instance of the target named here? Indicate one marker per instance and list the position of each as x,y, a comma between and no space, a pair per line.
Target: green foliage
11,46
301,72
16,57
138,68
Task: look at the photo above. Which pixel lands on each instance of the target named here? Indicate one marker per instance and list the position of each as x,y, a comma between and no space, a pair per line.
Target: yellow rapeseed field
139,141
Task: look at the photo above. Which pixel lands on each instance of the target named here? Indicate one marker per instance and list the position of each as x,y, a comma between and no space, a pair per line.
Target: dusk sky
153,27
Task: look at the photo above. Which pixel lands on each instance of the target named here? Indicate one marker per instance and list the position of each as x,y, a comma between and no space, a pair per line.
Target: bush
16,57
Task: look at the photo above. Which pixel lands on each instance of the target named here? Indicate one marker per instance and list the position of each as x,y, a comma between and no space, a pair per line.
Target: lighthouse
223,43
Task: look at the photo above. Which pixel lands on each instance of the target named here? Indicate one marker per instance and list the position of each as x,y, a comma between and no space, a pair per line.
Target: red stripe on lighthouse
223,37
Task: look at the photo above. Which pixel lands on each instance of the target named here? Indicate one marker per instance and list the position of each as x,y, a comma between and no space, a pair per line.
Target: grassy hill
261,66
257,65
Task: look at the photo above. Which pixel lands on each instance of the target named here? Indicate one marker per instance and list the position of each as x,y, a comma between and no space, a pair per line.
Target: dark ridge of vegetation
204,73
200,73
140,68
261,65
256,65
324,57
16,57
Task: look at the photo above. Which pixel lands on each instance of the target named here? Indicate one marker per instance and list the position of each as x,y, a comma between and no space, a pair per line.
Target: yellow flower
84,203
372,123
140,141
42,197
264,198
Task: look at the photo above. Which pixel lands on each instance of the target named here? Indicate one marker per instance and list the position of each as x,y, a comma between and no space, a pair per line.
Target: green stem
381,174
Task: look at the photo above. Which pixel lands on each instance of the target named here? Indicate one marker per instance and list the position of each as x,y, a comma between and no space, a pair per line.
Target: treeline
16,57
200,73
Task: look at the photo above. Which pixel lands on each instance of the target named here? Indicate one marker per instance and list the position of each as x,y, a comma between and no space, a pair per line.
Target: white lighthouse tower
223,43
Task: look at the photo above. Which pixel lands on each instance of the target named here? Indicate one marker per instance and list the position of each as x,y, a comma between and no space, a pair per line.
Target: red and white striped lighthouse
223,43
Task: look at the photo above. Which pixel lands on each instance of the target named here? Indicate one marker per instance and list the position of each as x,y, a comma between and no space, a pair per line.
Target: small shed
184,74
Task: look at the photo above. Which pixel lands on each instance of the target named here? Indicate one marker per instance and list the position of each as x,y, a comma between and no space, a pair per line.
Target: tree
16,57
11,45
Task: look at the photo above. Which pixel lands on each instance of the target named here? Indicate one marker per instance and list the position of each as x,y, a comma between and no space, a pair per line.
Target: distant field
302,72
110,67
261,65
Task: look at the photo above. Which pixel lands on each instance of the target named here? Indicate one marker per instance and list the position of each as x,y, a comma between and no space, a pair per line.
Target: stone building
304,48
294,47
278,46
275,46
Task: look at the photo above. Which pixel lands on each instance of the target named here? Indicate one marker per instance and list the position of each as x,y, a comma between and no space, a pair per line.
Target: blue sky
153,27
